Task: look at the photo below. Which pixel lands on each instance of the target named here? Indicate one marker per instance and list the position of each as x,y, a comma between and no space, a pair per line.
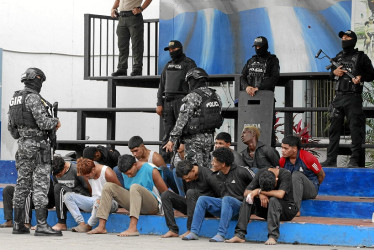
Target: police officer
29,122
348,99
199,116
172,89
261,72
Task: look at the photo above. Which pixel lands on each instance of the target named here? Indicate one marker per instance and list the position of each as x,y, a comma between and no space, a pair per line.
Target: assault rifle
333,63
52,133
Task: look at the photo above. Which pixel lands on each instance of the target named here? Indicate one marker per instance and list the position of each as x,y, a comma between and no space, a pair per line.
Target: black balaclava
262,51
196,83
35,84
176,55
349,45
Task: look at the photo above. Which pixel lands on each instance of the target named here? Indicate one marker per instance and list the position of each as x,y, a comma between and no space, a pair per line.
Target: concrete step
339,207
301,230
348,182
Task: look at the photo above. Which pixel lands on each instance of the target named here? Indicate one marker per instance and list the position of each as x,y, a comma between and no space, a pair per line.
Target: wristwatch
140,7
259,191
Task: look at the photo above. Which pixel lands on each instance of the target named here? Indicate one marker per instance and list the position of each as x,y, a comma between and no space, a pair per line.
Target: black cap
349,33
173,44
260,41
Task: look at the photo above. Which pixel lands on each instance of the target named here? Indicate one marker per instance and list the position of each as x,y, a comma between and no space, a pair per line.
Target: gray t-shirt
72,181
127,5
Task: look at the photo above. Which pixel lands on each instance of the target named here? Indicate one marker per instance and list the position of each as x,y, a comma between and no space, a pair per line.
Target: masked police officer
199,116
348,99
261,72
29,122
172,88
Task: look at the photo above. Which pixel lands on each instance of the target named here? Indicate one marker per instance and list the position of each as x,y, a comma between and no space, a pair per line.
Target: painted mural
363,24
218,34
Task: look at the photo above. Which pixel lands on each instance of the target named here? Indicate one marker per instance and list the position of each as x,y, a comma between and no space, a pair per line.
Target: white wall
49,35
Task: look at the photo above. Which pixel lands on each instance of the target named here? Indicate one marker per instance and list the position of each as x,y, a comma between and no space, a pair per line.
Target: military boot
330,162
353,163
18,225
42,228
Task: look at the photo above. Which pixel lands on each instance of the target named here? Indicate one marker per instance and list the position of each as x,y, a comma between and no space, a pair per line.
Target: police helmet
260,41
31,73
196,73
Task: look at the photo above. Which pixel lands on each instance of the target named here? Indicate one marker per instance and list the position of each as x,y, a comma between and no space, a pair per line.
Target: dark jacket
271,75
265,156
206,183
235,181
109,156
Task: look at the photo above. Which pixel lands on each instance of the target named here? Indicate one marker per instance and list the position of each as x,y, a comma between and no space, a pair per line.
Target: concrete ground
79,241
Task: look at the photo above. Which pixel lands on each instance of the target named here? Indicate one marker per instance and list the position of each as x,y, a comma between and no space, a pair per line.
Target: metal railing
101,51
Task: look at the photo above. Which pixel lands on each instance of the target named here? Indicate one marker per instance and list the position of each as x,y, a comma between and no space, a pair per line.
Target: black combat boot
353,163
330,162
42,228
19,225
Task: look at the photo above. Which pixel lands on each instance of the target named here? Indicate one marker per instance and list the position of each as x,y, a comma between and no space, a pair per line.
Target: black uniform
348,102
262,72
171,91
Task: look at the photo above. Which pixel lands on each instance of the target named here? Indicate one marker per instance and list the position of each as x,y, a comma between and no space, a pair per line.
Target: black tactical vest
174,79
17,110
344,83
208,117
256,70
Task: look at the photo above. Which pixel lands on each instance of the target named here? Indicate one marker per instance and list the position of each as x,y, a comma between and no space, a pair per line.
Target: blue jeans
225,208
76,202
119,175
179,183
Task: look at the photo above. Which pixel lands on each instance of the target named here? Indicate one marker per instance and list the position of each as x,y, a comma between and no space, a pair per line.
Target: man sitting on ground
199,181
223,139
65,179
142,153
271,194
232,182
102,155
307,173
137,196
95,175
257,155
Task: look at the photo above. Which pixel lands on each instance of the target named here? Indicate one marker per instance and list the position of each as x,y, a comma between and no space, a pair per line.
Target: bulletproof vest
17,110
175,78
344,83
256,70
208,117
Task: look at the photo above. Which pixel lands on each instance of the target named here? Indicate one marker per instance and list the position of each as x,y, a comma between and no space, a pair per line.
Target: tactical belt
173,97
126,13
201,132
36,138
340,93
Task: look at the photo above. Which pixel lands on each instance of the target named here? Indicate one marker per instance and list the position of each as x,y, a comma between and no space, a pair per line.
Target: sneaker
136,72
120,72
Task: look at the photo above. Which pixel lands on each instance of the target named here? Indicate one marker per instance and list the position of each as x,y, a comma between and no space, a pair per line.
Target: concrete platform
72,240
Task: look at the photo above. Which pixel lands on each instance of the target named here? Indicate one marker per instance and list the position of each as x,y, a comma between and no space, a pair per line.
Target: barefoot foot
271,241
235,239
97,231
129,233
169,234
185,234
60,227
